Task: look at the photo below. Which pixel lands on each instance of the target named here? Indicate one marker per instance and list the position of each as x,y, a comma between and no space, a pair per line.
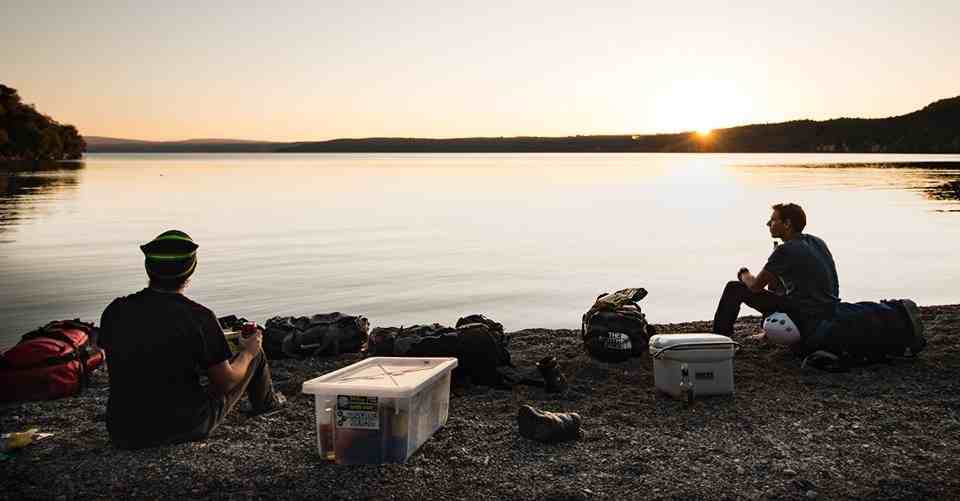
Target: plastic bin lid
382,376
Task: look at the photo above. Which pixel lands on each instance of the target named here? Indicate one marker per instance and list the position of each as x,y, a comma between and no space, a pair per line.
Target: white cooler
707,360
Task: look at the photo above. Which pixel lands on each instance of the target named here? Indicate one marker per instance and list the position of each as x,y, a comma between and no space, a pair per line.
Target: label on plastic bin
358,412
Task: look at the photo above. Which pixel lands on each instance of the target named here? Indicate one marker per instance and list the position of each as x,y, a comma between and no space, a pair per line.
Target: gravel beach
889,431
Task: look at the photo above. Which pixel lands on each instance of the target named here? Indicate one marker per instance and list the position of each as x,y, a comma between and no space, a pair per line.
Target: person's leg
736,293
260,386
256,384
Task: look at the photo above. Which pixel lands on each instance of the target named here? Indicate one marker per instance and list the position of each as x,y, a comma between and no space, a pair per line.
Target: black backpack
325,334
615,328
477,342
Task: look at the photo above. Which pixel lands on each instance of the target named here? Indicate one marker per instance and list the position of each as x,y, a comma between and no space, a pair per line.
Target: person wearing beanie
158,344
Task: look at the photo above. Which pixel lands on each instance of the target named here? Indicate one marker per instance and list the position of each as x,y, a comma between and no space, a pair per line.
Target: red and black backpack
51,362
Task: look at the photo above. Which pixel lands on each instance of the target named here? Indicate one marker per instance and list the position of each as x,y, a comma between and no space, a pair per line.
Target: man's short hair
168,284
794,213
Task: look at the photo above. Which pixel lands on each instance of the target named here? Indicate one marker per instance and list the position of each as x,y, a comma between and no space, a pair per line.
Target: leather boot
919,342
553,379
548,427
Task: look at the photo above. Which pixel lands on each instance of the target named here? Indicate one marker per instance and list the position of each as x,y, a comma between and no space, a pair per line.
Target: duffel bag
477,342
615,328
51,362
867,332
319,335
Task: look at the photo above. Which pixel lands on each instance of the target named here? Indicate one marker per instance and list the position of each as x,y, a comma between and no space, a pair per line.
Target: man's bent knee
736,288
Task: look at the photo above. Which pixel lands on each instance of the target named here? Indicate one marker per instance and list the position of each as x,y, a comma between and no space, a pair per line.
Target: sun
701,106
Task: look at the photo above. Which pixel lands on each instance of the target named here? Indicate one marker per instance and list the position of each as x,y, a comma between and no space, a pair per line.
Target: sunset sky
318,70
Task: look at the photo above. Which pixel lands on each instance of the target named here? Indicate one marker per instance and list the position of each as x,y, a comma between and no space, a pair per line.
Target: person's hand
252,343
741,272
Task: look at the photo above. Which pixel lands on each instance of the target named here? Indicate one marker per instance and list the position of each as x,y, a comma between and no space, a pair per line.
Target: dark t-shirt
808,274
157,344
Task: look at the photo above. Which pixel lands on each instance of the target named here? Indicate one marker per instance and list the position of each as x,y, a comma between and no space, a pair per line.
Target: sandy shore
880,432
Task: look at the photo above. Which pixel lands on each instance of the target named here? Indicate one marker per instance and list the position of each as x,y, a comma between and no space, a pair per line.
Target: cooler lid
695,341
382,376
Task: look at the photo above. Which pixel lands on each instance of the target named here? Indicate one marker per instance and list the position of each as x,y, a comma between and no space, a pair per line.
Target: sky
312,70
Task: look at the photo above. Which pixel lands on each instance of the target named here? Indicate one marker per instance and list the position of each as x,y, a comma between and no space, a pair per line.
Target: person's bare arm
757,283
229,373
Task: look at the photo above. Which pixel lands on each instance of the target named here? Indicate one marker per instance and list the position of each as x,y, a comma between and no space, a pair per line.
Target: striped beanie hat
173,254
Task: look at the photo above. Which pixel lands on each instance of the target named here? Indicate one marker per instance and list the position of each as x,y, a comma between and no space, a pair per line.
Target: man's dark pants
736,293
256,384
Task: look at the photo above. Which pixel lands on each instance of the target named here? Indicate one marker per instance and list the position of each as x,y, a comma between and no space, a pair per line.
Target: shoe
554,381
279,404
916,322
825,361
548,427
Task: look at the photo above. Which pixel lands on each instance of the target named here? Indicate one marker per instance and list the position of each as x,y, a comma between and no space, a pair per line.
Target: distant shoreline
289,153
935,129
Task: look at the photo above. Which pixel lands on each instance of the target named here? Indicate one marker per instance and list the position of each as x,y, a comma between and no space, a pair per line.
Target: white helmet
779,329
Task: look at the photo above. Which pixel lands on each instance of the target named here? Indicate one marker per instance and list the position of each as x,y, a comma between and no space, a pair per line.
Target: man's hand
229,373
253,343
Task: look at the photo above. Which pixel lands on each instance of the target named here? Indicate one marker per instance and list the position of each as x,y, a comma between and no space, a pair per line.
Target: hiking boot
279,404
548,427
825,361
554,381
916,323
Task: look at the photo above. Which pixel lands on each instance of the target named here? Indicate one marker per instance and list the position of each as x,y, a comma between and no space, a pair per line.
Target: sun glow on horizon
701,106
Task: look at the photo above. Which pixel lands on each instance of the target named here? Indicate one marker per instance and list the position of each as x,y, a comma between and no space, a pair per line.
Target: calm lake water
527,239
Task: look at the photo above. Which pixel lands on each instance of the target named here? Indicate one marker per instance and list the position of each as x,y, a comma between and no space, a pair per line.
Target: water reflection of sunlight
529,238
699,182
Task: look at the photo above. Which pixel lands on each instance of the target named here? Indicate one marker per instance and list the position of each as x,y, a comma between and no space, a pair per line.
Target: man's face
778,228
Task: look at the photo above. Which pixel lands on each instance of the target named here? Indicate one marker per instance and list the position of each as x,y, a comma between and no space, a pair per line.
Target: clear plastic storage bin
382,409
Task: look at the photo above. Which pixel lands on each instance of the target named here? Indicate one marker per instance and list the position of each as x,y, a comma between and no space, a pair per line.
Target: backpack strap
47,362
54,330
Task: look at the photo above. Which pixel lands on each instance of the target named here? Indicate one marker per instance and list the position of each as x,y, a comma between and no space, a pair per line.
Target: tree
72,141
26,133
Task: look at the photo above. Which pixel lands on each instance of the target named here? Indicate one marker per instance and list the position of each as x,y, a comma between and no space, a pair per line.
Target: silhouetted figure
158,343
801,271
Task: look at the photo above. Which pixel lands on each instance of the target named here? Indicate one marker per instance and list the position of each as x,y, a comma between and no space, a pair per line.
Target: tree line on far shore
933,129
27,134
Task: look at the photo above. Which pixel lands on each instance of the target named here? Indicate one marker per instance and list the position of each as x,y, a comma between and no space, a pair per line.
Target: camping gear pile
614,328
51,362
864,333
324,334
477,342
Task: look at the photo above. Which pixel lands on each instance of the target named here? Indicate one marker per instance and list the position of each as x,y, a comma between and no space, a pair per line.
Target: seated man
158,342
802,267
